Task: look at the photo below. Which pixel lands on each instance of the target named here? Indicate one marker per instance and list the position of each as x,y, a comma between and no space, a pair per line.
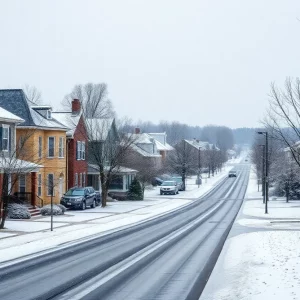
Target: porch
120,182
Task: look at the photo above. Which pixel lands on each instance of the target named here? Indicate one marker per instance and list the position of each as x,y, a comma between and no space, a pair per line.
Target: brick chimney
137,130
76,107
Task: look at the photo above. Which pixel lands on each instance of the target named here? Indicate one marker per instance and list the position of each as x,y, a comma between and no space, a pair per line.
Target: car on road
169,187
232,173
179,181
157,181
79,197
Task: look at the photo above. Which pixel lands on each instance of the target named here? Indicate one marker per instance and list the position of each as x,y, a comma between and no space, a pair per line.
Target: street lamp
266,170
199,166
263,174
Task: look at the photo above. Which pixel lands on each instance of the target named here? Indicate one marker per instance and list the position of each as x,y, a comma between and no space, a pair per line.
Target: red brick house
77,166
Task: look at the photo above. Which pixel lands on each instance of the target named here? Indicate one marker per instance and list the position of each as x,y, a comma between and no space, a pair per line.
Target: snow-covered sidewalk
260,259
27,237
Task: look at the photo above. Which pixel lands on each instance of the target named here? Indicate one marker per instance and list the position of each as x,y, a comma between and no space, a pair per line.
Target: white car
169,187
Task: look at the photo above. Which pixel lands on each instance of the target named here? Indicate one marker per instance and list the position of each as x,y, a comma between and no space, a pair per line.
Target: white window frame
48,185
61,147
83,150
23,186
40,146
39,185
80,179
76,179
84,180
50,137
78,145
4,128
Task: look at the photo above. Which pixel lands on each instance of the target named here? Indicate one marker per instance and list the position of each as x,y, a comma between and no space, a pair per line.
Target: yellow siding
53,165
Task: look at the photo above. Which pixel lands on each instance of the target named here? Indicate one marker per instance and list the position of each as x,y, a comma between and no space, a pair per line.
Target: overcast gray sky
194,61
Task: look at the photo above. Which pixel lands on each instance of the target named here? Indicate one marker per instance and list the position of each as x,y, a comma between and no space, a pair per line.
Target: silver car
169,187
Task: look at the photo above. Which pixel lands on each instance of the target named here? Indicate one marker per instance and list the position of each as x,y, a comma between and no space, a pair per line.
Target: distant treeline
222,136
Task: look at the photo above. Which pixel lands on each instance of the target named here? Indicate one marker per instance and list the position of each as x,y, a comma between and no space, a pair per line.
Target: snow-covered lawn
261,259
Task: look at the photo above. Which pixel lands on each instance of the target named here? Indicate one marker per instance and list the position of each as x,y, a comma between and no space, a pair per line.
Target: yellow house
40,139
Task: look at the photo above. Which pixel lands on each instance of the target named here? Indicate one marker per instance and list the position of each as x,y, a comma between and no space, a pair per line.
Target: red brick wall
77,166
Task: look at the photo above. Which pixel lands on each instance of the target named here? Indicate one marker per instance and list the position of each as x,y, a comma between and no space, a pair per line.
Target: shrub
135,191
18,211
46,210
62,207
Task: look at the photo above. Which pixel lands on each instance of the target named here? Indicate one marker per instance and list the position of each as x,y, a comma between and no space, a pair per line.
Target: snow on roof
41,121
141,138
202,145
9,117
94,169
67,119
13,164
143,152
98,129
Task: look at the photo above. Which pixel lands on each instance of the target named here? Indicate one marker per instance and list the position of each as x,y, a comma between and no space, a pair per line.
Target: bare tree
33,94
15,163
146,166
283,115
94,100
107,150
182,160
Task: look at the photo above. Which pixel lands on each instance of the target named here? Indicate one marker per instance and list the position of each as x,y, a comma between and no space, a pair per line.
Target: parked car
79,198
232,173
179,181
98,196
169,187
157,181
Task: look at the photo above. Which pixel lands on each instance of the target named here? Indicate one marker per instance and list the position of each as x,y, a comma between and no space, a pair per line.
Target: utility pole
199,166
265,133
263,173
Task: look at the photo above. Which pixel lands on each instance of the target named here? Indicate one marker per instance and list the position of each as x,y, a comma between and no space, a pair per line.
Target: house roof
16,102
202,145
67,119
12,164
141,151
5,115
98,129
161,138
94,169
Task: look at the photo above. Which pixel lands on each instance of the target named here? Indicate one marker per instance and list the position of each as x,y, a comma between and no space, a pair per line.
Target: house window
5,137
22,183
78,151
50,184
39,184
83,150
40,146
76,179
80,179
49,114
61,147
51,146
83,181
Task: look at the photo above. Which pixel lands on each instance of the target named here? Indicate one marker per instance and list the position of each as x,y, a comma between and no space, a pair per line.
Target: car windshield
178,179
75,192
168,183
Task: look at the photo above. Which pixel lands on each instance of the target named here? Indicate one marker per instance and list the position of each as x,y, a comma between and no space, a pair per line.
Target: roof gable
16,102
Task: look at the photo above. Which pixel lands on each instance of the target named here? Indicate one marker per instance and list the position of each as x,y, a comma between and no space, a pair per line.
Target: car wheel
177,192
161,193
174,193
94,204
83,206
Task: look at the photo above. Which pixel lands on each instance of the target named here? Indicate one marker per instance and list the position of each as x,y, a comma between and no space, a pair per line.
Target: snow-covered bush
18,211
46,210
62,207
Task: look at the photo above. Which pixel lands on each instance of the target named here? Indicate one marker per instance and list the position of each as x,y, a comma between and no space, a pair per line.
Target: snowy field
261,259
